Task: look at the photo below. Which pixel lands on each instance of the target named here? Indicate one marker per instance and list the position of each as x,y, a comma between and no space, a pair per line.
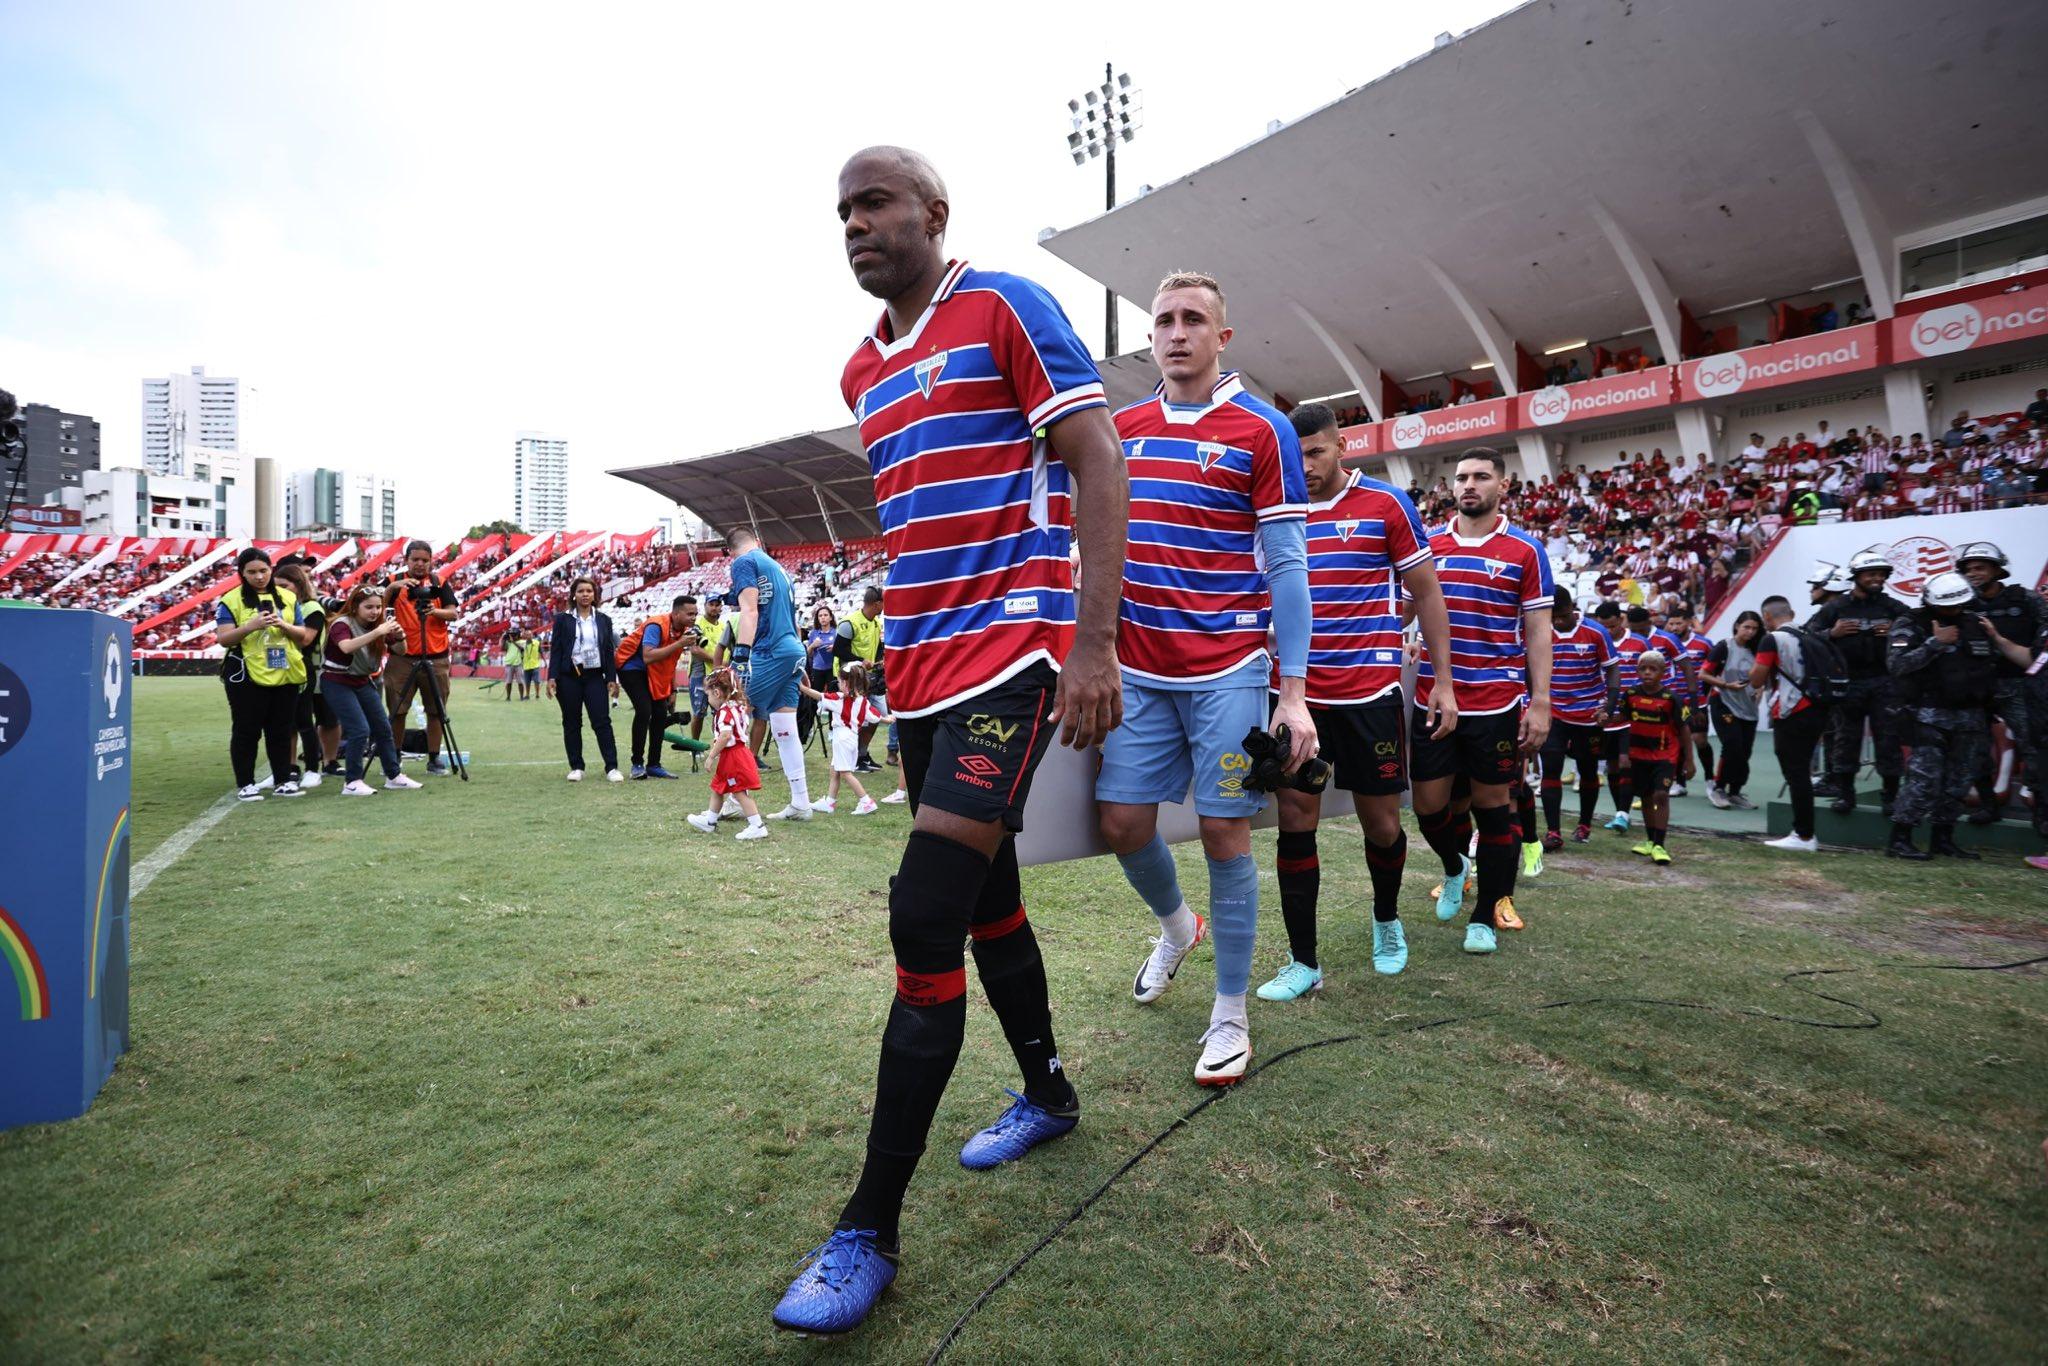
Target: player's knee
1381,824
1126,829
1226,837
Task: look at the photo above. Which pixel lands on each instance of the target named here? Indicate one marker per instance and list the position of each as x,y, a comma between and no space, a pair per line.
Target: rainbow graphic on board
99,902
29,981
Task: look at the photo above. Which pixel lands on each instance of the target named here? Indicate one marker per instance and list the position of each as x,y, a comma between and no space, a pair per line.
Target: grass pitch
520,1070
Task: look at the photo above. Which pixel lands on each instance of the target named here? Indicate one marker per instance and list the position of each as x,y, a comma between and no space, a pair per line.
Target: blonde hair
1193,279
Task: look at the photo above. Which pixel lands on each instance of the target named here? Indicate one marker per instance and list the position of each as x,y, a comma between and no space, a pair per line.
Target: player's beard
1480,513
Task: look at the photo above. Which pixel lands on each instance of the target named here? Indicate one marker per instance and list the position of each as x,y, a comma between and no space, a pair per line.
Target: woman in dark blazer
583,678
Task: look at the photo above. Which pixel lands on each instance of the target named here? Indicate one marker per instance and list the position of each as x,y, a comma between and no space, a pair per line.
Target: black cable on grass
1869,1020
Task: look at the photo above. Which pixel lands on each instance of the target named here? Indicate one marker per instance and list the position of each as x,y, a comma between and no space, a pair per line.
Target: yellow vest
867,637
270,657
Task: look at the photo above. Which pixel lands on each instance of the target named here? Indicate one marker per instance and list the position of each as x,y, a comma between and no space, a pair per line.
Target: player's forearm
743,630
1087,445
1536,631
1426,599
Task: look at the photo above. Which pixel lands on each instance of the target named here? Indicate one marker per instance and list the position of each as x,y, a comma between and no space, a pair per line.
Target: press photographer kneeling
257,623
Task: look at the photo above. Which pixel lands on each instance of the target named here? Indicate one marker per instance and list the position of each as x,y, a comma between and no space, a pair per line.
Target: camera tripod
437,710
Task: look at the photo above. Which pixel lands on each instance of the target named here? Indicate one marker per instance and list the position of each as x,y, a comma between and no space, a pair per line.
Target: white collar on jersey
949,282
1499,528
1228,387
1350,483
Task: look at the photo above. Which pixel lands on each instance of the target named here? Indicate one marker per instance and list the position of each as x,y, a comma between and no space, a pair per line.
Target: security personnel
2020,617
1946,665
1817,593
1858,622
1804,509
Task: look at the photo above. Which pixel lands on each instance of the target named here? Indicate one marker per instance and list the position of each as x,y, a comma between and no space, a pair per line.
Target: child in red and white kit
850,711
731,761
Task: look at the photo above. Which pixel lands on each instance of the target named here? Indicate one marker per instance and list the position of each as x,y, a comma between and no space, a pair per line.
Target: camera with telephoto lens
1269,753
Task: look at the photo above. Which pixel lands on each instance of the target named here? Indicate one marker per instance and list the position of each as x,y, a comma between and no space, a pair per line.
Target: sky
416,230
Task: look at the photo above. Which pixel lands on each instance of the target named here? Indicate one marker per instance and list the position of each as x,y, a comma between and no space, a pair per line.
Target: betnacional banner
1441,426
1843,352
1969,325
1596,398
1363,439
22,517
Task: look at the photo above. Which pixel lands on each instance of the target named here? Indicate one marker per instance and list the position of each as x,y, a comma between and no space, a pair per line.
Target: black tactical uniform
1944,691
1872,697
2021,618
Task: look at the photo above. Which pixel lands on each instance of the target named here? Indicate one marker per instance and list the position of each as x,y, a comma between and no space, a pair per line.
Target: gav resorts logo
111,674
14,709
1915,560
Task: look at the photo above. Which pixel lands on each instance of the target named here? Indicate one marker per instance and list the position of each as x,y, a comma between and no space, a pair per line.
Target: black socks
1013,977
1301,881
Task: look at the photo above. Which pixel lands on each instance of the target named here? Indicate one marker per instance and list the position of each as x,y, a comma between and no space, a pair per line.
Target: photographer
257,623
646,662
357,641
423,606
317,727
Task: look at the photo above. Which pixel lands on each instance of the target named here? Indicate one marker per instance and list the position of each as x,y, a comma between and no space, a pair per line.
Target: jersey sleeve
1606,646
745,574
650,636
1544,594
1279,485
1407,542
1035,348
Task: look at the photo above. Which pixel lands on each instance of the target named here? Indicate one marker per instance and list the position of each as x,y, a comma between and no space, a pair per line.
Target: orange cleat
1504,916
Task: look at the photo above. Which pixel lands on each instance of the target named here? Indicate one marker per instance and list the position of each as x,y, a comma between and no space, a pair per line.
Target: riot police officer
1859,622
1817,591
2020,617
1946,665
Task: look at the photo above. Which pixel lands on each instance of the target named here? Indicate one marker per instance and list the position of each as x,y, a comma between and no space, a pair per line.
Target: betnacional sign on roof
1364,439
1968,325
1822,356
1642,389
1471,422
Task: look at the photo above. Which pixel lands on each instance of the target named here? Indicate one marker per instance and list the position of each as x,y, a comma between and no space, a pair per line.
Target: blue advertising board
65,750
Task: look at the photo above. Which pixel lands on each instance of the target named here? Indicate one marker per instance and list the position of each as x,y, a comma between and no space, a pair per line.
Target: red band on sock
1553,784
996,929
930,988
1393,856
1299,865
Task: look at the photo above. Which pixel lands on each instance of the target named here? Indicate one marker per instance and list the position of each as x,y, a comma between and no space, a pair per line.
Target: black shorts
1362,745
1485,749
975,759
1697,722
1578,740
1651,775
1614,747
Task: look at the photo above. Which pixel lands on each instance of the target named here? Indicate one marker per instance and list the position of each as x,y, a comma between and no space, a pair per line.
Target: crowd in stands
37,578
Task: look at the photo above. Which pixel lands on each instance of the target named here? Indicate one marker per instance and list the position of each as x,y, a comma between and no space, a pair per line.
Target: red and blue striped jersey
1625,651
1699,647
974,504
1489,582
1673,651
1203,480
1578,672
1360,542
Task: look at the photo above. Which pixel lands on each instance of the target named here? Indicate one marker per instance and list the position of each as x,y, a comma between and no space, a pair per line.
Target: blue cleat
639,772
1016,1132
657,771
1620,823
1451,899
838,1287
1479,938
1389,947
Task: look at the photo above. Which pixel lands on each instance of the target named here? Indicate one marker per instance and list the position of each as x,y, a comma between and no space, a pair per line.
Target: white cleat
358,788
310,780
1156,974
575,775
1226,1052
703,820
867,807
401,783
287,789
896,798
612,775
251,793
753,832
792,812
828,805
1795,843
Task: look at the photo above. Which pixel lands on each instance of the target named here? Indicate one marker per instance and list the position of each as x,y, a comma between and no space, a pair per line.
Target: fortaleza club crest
928,371
1209,452
1344,530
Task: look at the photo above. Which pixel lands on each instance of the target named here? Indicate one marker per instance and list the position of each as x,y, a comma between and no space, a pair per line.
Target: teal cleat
1451,899
1292,982
1620,823
1479,938
1389,947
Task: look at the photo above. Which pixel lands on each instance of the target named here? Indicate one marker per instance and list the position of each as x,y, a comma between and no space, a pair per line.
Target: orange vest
434,641
661,674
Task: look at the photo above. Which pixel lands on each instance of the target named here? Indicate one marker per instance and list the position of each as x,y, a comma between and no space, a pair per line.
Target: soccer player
1217,553
1681,668
984,422
1682,625
1497,586
1631,634
1657,747
767,655
1582,674
1366,546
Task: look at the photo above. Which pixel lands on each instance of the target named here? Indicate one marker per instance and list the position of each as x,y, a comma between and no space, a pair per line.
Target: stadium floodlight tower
1110,113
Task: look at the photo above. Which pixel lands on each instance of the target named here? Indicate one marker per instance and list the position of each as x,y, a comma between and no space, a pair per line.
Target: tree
501,527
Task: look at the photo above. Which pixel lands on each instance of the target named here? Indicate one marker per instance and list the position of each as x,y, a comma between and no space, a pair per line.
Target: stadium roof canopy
1703,130
779,485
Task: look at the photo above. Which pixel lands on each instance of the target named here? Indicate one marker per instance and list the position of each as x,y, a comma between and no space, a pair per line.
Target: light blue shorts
1171,739
771,683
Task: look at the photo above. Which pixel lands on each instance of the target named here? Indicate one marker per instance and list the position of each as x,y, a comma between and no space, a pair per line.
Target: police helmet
1868,559
1822,572
1947,590
1982,550
1837,582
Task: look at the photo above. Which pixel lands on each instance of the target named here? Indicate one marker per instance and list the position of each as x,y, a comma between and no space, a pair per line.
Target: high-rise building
188,410
132,502
61,447
324,502
540,482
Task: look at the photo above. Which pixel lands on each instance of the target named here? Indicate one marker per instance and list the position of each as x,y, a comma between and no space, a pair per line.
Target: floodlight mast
1102,117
